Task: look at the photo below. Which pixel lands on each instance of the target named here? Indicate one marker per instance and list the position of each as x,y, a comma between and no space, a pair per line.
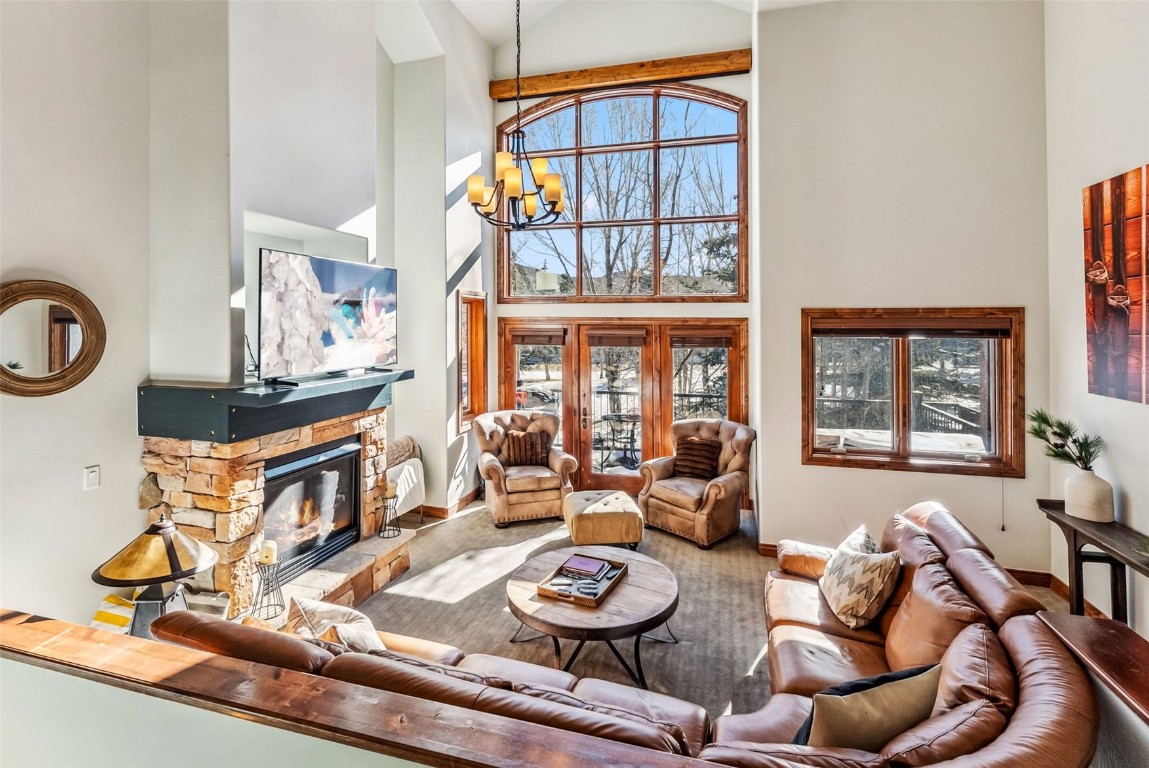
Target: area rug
455,592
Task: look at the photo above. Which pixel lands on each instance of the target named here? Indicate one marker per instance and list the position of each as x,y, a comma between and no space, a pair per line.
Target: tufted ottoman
603,517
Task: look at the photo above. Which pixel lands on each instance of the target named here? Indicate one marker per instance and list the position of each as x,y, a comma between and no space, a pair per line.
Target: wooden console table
1120,546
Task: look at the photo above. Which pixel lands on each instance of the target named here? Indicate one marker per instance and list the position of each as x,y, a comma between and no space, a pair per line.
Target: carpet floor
455,592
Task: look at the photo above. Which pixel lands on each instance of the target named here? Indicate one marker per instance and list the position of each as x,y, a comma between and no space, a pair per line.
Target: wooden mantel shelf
379,721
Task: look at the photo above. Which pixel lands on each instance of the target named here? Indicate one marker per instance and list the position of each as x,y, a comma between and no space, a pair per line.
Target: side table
269,600
390,527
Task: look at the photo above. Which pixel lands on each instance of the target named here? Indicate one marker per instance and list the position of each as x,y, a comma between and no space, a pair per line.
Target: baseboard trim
768,550
1030,578
1061,589
444,513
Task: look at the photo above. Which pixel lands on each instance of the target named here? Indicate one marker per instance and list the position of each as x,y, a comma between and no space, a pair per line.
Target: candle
552,187
475,189
530,205
489,202
392,488
269,552
504,161
513,182
538,169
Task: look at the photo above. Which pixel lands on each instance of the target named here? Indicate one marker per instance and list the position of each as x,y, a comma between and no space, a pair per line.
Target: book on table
582,566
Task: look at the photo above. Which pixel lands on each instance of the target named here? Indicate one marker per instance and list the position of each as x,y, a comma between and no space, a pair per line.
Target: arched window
655,179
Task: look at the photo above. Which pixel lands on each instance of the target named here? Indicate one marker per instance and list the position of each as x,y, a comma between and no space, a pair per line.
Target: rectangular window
471,357
931,390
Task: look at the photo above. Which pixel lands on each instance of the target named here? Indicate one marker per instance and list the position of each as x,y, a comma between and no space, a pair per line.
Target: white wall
107,726
1097,94
902,164
74,208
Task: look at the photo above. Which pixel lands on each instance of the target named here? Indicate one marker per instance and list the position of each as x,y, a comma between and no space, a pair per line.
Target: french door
618,385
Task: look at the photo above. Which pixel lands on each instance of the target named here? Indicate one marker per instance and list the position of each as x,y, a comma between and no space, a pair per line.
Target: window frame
473,306
673,90
1005,324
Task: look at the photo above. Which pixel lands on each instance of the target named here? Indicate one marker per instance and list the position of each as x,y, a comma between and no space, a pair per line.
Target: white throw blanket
411,490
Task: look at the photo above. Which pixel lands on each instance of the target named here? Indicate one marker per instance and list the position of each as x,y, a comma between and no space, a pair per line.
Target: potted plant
1086,495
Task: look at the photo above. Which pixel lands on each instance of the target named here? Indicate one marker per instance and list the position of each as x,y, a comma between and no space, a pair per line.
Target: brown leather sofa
521,492
444,674
1035,710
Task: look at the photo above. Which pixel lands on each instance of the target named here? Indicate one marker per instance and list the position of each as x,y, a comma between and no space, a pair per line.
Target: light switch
91,477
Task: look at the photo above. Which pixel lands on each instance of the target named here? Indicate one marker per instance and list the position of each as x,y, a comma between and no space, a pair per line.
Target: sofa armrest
747,754
654,470
801,559
491,470
439,653
562,464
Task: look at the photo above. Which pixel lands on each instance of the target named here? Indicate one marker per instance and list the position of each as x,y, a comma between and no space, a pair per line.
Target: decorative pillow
443,669
696,457
312,618
258,623
527,449
868,713
801,559
976,667
357,637
857,584
860,541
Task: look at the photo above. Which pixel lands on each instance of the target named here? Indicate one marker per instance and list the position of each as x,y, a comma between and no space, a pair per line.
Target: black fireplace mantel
223,414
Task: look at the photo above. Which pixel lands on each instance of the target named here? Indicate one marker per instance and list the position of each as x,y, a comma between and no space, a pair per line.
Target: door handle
584,417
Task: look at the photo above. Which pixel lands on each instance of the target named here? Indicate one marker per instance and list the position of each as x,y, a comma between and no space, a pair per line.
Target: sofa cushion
857,585
913,545
991,586
470,676
389,674
904,585
944,528
524,449
804,660
658,707
865,714
228,638
778,721
528,478
440,653
796,600
958,732
976,667
682,492
517,671
696,457
933,614
747,754
801,559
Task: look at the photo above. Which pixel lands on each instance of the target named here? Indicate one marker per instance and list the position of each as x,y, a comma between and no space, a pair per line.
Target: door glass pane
543,262
539,380
699,258
618,261
617,121
699,181
616,409
700,382
617,186
951,406
852,376
463,358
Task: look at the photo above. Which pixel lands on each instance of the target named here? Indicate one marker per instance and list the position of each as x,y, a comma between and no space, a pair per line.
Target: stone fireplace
216,492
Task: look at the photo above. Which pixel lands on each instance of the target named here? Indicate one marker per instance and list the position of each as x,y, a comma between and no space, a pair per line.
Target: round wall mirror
51,337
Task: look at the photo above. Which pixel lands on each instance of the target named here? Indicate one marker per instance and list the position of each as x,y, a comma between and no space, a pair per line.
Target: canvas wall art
1114,212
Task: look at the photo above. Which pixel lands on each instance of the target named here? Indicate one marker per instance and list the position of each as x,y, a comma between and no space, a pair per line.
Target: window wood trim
472,304
720,64
739,218
1009,392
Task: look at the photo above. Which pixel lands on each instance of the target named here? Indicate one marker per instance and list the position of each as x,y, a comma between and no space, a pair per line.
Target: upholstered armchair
523,482
683,497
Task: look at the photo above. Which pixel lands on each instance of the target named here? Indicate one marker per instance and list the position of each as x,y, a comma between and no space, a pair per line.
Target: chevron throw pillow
857,585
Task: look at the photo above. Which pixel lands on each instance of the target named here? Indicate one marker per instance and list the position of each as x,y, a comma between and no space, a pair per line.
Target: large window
935,390
655,179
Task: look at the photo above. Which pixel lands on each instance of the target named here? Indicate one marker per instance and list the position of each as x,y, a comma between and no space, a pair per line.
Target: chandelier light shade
525,193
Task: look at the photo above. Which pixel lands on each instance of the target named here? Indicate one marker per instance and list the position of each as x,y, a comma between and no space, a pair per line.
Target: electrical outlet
91,477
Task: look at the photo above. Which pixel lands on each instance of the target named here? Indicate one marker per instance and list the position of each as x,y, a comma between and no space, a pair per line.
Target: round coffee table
645,598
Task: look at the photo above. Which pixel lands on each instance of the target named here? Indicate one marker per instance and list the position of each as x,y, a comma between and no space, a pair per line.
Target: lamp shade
160,554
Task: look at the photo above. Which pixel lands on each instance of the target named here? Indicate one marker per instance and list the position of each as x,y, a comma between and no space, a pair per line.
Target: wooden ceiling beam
735,62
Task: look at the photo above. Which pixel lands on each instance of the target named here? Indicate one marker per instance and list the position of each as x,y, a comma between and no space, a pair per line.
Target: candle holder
269,599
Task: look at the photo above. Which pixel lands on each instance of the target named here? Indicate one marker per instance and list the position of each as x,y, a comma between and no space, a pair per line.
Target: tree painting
1114,218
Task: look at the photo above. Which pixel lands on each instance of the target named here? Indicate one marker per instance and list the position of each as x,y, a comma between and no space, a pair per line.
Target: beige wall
902,163
1097,94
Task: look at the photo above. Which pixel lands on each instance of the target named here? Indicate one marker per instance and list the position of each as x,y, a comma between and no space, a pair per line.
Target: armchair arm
562,464
724,486
655,470
491,470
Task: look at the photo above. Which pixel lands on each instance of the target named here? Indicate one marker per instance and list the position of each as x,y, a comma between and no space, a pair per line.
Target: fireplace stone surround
214,492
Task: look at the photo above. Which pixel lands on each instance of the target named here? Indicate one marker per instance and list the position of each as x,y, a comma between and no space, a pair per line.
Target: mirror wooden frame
91,349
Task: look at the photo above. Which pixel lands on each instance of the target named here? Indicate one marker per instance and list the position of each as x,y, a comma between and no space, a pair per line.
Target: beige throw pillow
870,718
313,618
858,580
357,637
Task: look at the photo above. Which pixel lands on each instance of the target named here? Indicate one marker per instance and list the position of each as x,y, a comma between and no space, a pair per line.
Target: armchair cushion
683,492
529,478
696,457
527,449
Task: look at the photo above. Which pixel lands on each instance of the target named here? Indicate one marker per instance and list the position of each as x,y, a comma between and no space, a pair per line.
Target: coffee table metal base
635,673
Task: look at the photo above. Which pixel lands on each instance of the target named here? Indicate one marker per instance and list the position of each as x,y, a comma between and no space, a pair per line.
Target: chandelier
533,195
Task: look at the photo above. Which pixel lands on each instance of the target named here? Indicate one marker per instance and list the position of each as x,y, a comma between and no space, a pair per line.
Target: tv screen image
320,315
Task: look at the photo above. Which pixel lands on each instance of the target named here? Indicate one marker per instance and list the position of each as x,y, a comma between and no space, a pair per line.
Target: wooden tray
609,583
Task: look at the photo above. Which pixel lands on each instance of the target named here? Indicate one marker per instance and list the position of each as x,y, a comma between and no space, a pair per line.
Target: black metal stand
390,527
269,600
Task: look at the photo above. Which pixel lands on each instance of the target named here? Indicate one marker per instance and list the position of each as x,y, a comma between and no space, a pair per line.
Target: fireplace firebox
311,504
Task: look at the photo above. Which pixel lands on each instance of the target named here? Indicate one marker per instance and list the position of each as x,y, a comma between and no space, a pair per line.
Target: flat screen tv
323,315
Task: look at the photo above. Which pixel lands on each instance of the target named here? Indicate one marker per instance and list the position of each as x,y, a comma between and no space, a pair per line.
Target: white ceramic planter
1088,496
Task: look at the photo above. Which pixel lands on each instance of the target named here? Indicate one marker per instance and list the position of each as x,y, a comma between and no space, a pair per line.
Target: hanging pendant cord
518,69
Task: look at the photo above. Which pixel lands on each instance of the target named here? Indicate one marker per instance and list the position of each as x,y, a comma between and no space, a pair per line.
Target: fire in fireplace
311,505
